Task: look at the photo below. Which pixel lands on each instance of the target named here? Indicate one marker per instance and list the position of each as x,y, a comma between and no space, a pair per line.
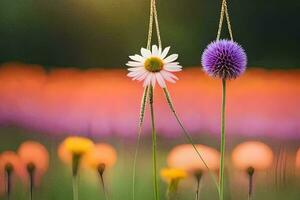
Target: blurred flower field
48,106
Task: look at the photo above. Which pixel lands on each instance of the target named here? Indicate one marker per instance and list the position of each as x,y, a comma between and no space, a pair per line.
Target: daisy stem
223,142
187,136
154,147
141,121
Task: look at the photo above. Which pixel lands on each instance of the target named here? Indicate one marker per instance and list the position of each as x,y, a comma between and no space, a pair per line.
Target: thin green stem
140,126
172,189
223,142
75,187
31,171
101,169
250,173
8,182
75,166
31,185
198,177
154,146
187,135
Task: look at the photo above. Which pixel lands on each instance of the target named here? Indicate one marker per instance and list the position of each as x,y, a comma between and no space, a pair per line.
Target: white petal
154,50
147,80
160,80
173,68
164,53
159,51
141,74
135,69
168,76
171,58
145,52
134,64
153,80
134,74
137,58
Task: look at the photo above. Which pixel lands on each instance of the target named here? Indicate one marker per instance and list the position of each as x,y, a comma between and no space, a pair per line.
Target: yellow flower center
154,64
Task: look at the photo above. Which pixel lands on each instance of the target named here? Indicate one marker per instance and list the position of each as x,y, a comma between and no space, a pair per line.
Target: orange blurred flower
64,154
9,160
102,155
10,163
34,155
252,154
185,157
298,159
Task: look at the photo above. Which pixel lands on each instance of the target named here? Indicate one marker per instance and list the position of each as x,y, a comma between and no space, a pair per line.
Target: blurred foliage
56,184
88,33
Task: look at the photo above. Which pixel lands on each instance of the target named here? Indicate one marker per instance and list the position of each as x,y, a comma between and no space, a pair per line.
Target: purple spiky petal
224,59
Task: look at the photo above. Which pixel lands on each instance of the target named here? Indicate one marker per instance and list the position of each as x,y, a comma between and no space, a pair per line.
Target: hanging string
228,20
221,20
150,29
224,11
157,24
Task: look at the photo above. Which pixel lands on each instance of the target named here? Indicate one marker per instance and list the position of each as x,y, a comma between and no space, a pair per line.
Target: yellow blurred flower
78,145
171,174
72,149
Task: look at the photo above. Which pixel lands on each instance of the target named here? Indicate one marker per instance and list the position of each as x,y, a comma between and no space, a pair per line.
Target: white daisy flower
152,66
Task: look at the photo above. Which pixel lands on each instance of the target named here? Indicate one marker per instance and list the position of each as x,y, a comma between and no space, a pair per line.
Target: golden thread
150,25
221,21
228,20
157,24
224,11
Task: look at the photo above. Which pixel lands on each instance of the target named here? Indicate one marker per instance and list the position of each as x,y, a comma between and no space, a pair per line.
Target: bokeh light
252,154
185,157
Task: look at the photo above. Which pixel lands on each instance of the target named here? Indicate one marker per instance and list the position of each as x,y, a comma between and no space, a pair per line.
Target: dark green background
102,33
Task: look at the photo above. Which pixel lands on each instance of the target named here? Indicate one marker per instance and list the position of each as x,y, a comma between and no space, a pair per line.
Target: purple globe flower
225,59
